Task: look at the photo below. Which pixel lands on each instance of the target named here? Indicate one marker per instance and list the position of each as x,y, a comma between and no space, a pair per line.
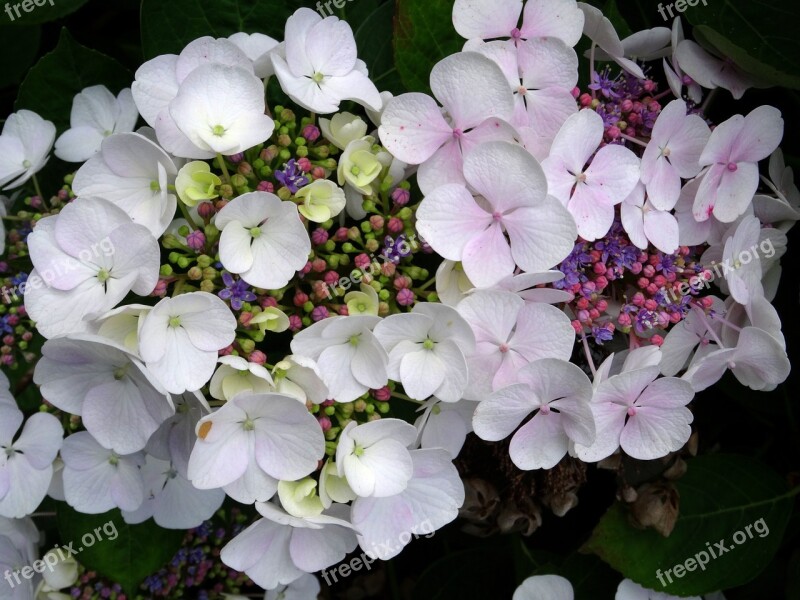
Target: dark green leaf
39,11
611,11
424,35
754,35
128,557
167,27
19,48
53,82
720,496
374,40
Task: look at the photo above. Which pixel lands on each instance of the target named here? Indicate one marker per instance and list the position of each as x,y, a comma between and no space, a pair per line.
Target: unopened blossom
732,155
511,333
644,415
321,68
299,377
473,230
322,200
87,259
26,460
363,302
588,181
120,403
96,114
427,351
558,393
263,239
25,145
343,128
430,501
279,548
475,96
452,283
488,19
235,375
180,338
252,442
349,357
672,154
195,183
135,174
97,480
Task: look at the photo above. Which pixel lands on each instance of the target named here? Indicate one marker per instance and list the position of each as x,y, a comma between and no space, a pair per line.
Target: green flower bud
196,182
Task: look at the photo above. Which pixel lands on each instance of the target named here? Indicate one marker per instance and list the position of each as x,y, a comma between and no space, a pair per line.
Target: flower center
516,34
255,232
354,340
103,275
497,216
175,322
544,409
249,424
318,77
503,348
428,344
732,167
26,164
358,450
155,186
218,130
631,411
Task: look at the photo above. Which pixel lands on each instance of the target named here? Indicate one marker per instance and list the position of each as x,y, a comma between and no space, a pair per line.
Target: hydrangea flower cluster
237,299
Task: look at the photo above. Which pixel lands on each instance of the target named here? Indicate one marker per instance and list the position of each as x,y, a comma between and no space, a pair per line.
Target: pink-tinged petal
599,29
486,19
626,387
504,55
692,232
687,147
175,141
662,180
315,550
541,236
633,223
547,62
614,173
543,331
560,19
413,128
472,88
206,50
155,86
444,167
354,86
761,362
500,414
661,228
666,392
449,218
487,257
40,440
722,141
760,135
560,181
492,315
548,109
522,184
735,192
540,443
708,370
609,420
705,198
656,431
592,214
577,140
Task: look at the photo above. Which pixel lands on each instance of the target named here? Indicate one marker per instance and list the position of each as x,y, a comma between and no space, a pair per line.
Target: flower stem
588,353
400,396
187,215
37,188
633,139
591,68
225,175
704,318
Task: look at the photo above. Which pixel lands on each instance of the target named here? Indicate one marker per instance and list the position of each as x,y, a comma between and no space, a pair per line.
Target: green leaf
611,12
128,557
424,35
754,35
167,27
54,81
374,40
720,496
39,11
25,42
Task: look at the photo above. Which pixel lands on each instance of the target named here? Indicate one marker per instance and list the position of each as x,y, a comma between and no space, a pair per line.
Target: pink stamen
631,411
545,409
516,34
732,167
497,216
504,348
